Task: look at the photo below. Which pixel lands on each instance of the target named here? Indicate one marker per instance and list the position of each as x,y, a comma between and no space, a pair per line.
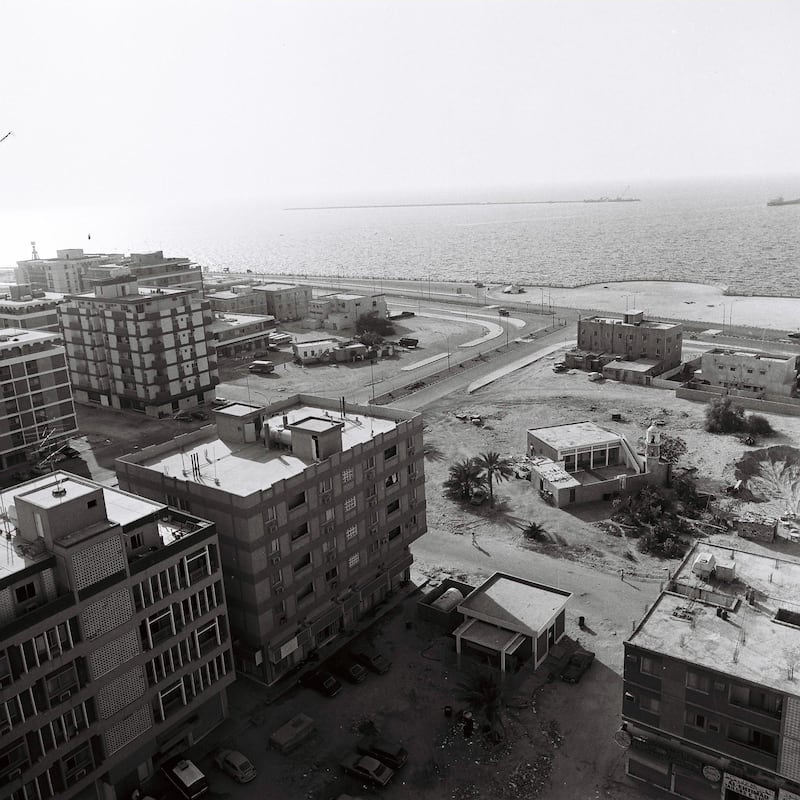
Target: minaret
653,447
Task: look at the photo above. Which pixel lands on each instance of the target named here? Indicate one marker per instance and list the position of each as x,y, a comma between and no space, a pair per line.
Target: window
651,704
351,533
390,453
695,720
25,592
353,560
752,738
393,507
650,666
326,484
347,475
306,592
697,681
302,563
756,699
350,504
394,533
137,541
332,574
300,531
297,500
392,480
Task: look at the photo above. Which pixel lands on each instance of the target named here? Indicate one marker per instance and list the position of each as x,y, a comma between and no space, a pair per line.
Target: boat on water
779,201
613,200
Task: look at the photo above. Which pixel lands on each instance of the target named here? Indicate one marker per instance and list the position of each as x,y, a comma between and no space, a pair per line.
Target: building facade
604,339
711,705
29,309
36,394
286,302
235,334
341,311
316,503
114,643
63,274
763,375
139,348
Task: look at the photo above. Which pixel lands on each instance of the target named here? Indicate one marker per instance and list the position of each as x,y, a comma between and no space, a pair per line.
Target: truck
262,366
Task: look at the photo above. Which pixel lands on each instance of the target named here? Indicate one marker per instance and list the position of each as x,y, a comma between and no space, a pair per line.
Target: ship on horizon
779,201
613,200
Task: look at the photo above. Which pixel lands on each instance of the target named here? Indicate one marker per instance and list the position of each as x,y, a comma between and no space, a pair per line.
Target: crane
6,136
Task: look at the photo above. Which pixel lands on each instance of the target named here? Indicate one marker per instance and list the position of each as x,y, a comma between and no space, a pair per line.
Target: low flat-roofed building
234,334
115,649
711,704
765,375
316,502
341,310
285,301
580,462
510,620
30,310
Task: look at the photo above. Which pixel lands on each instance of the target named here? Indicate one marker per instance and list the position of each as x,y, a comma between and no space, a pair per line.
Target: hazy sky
153,101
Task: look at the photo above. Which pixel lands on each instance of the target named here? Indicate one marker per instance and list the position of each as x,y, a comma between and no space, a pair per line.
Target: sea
719,233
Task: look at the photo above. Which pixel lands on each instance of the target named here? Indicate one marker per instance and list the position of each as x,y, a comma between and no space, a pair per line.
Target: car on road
576,666
321,681
373,660
236,765
389,753
503,312
367,768
346,666
183,416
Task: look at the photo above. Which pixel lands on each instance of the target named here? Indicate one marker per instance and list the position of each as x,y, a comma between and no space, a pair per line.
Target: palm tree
495,467
465,476
482,690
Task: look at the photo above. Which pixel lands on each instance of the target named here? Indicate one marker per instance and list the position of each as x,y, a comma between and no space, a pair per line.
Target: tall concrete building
114,643
139,348
63,274
316,503
153,269
711,704
285,301
36,393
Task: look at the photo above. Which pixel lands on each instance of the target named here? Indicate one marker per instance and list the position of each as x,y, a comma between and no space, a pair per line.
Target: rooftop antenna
34,254
6,136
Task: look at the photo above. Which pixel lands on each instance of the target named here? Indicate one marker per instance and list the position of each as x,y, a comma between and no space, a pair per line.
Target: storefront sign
711,773
747,788
289,647
785,794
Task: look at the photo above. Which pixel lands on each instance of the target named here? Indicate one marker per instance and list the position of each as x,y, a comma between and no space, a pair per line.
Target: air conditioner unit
327,498
275,558
81,774
12,776
410,451
277,588
5,728
271,527
373,530
64,697
327,529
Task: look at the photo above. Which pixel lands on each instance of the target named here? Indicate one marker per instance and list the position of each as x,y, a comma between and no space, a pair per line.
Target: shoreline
660,299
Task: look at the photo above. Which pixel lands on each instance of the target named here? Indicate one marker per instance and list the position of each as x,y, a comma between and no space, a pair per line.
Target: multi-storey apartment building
631,339
153,269
30,309
764,375
239,299
36,393
285,301
114,643
711,704
316,503
63,274
140,348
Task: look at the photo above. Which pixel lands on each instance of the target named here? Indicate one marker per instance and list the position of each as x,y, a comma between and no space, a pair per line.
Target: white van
262,366
595,376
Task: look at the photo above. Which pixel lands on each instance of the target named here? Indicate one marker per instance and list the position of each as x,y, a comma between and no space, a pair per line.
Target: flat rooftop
10,337
640,365
553,472
750,644
725,351
17,553
514,603
574,434
645,323
275,287
233,320
242,468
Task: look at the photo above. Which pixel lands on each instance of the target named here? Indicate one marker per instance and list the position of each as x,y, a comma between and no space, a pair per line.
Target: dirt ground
560,743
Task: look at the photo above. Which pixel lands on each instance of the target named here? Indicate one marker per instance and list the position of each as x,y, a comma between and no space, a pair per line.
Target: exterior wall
661,343
241,301
36,397
146,352
30,315
93,680
759,373
689,392
300,573
286,303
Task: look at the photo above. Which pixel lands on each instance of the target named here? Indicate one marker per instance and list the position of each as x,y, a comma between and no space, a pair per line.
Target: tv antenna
6,136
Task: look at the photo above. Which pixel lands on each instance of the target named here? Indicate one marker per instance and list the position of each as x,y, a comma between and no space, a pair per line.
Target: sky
131,103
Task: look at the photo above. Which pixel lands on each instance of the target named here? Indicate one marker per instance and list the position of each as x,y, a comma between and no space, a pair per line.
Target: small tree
535,531
372,323
672,448
481,689
495,467
759,426
722,416
464,477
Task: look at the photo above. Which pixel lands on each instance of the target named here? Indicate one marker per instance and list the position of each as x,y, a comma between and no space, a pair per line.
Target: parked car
348,668
373,660
219,401
577,666
238,766
183,416
503,312
389,753
321,681
367,768
70,452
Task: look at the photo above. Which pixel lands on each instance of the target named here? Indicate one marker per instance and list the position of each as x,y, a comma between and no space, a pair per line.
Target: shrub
722,416
759,426
534,531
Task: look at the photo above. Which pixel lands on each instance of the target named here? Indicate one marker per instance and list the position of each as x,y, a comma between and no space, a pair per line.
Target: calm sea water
721,234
